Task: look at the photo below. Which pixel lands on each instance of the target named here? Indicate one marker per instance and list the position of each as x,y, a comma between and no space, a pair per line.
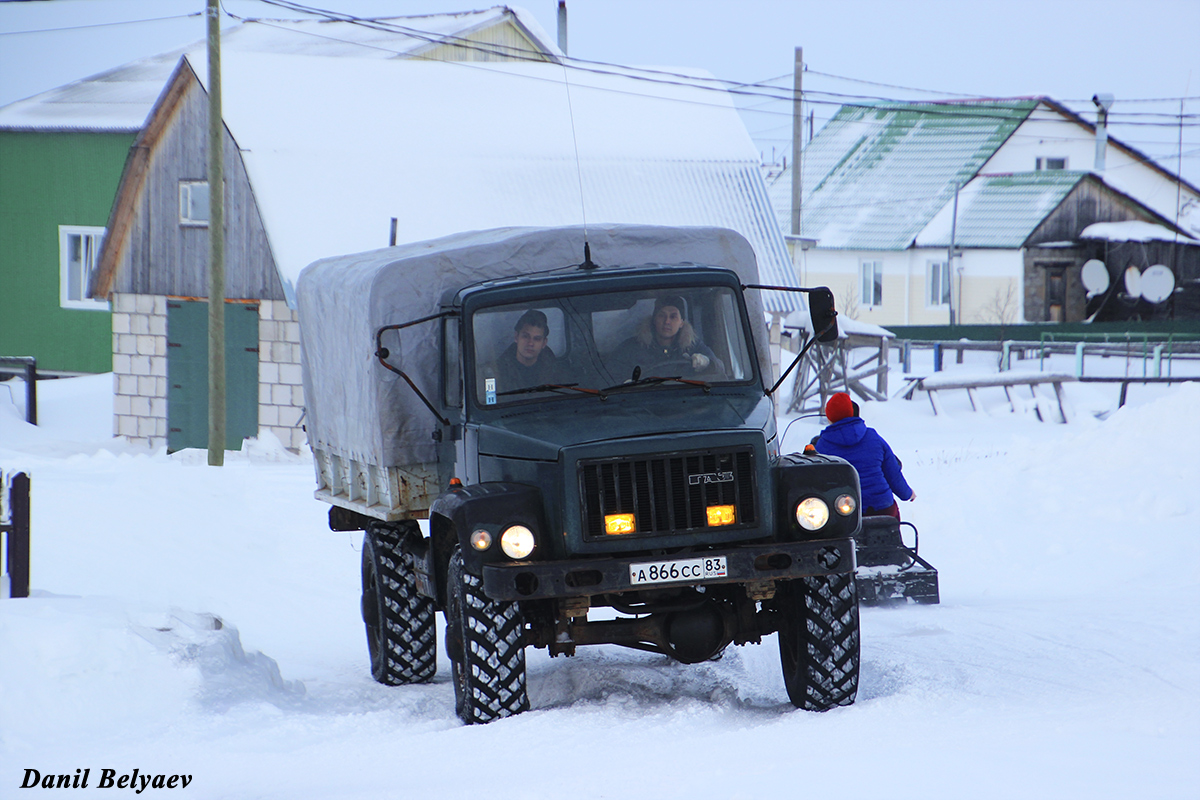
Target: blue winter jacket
878,468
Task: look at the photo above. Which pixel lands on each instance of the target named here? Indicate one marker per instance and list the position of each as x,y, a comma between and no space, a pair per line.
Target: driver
666,338
528,361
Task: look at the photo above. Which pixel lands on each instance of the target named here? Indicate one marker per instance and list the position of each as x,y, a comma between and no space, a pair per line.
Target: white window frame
870,283
1043,163
937,284
189,214
75,282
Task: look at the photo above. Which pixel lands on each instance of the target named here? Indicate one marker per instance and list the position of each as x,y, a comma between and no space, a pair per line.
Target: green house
56,189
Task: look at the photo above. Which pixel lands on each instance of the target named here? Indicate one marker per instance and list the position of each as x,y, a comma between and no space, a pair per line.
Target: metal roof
1000,211
119,99
876,175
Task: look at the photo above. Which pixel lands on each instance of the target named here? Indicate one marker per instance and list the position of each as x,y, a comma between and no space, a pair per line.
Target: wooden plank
1002,379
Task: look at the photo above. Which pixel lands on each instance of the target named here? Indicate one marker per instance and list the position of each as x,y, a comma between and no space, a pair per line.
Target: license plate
688,569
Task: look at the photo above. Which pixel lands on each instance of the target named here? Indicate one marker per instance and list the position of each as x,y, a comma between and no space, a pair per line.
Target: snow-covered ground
1063,662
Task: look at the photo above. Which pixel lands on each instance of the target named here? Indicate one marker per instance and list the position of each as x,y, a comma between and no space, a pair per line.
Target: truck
629,491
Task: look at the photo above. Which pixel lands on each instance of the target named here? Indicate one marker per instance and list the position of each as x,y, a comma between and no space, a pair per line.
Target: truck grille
668,494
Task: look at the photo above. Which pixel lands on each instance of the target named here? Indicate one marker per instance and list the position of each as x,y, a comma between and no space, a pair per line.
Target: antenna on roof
587,250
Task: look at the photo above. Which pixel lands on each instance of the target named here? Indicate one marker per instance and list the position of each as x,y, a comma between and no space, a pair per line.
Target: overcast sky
1067,49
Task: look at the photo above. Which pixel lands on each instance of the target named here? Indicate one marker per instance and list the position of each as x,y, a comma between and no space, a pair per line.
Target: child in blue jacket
879,472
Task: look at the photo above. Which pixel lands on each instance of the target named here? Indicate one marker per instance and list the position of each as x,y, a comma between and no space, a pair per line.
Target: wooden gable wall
158,255
1089,202
504,41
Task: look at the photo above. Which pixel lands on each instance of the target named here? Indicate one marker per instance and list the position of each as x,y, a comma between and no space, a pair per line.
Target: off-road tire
401,636
485,640
819,641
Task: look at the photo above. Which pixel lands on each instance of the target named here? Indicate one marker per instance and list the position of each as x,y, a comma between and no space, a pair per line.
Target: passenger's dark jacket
878,468
642,351
512,374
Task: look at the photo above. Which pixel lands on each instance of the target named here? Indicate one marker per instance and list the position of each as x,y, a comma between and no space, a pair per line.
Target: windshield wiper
557,388
654,380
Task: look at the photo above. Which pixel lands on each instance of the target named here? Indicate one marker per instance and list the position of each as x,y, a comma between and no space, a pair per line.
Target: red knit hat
839,407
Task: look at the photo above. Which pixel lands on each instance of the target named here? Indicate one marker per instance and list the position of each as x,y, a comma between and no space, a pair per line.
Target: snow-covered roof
999,211
846,325
876,175
1133,231
882,176
335,148
120,99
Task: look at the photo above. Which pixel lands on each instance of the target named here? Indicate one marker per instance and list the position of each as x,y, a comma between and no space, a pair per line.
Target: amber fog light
481,540
845,505
619,523
721,515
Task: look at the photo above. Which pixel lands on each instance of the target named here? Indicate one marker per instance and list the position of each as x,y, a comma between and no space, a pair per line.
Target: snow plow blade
889,571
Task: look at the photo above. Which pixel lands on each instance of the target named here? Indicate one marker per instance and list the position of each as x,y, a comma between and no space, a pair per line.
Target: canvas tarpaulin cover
358,409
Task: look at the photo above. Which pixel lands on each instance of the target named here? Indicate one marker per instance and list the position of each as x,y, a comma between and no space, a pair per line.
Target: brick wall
280,394
139,324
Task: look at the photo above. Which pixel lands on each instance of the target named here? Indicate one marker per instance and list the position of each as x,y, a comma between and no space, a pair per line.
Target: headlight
812,513
845,505
517,542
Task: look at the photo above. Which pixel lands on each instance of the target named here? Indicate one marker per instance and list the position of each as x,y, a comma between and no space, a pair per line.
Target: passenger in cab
528,361
666,344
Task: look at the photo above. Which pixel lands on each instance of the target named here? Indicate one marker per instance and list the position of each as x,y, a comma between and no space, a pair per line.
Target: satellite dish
1157,283
1133,281
1095,277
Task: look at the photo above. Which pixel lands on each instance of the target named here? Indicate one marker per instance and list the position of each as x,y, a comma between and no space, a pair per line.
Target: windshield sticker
489,388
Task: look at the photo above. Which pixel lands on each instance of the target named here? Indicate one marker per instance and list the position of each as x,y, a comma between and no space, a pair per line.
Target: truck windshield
598,341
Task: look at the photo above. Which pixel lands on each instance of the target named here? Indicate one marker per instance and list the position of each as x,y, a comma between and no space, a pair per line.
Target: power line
661,76
103,24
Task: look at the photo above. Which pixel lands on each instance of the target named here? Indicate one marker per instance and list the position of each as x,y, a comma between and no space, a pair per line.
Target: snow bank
1063,661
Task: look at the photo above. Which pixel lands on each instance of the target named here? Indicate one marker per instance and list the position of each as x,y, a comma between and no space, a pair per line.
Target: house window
193,203
937,283
1051,163
78,255
871,285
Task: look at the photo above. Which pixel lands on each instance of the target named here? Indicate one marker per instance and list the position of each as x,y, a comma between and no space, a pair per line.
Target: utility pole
216,244
950,255
797,137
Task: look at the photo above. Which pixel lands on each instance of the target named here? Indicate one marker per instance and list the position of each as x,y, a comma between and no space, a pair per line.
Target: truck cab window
597,341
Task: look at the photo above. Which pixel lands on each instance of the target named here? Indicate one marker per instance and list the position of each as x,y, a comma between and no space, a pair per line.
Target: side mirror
823,314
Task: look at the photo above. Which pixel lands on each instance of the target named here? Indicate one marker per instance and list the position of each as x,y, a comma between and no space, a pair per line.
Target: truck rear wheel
401,636
819,641
485,640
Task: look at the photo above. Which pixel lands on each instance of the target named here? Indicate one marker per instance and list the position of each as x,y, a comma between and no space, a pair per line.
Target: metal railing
14,531
31,377
1155,353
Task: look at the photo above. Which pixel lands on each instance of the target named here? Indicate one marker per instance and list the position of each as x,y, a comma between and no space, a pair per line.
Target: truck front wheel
819,641
485,640
401,637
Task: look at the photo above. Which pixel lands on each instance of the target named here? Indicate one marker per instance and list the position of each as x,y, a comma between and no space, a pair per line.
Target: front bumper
535,580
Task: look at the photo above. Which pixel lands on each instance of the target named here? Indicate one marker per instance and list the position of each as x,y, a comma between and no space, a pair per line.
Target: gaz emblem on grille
710,477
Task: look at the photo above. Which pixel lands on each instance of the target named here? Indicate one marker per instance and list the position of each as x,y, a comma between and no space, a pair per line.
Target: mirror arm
803,352
797,289
382,353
